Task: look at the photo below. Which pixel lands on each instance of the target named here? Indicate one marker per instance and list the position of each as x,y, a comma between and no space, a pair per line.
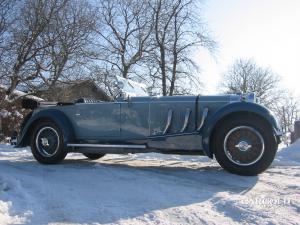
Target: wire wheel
47,141
244,145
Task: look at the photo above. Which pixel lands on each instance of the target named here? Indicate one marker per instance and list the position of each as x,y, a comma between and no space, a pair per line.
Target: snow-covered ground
145,189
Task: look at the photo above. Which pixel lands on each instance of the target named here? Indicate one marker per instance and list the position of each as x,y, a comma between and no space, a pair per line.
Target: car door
135,118
97,120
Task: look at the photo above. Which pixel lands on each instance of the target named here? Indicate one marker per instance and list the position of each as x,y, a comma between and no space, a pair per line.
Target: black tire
94,156
244,145
47,143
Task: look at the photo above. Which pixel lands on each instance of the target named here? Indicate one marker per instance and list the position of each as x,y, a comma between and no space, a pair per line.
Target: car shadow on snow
110,191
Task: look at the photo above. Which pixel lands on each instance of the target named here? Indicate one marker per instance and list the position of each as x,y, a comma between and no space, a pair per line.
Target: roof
21,93
44,87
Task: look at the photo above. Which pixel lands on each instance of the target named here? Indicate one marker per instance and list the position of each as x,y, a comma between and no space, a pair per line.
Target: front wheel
47,143
244,145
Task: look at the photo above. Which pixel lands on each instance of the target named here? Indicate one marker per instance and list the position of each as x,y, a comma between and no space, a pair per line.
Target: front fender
237,107
54,115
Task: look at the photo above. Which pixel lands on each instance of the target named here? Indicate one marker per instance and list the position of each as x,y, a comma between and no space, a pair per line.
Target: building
68,92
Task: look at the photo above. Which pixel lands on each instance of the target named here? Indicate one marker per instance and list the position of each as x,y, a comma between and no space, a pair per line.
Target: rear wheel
94,156
47,143
244,145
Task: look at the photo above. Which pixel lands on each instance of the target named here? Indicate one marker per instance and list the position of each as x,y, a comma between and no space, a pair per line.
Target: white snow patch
4,113
289,155
21,93
143,189
132,88
17,114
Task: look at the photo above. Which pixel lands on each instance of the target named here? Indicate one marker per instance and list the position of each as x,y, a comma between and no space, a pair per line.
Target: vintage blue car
243,136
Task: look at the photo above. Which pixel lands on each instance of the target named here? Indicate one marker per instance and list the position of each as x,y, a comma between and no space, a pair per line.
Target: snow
4,113
18,114
21,93
290,155
145,189
132,88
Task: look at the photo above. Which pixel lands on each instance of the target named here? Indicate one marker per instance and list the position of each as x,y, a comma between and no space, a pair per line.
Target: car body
164,124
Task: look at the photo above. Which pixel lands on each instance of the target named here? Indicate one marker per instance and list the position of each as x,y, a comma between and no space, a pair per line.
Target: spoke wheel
47,143
244,145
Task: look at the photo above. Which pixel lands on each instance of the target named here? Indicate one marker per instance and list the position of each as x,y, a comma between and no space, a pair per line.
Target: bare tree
105,79
26,42
287,110
67,39
4,8
177,31
124,29
246,76
6,18
49,38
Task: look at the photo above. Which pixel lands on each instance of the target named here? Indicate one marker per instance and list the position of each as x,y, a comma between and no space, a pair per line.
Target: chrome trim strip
169,120
173,135
186,119
105,146
154,102
204,115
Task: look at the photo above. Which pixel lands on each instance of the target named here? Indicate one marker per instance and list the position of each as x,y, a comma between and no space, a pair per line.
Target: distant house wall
2,95
73,91
296,133
1,131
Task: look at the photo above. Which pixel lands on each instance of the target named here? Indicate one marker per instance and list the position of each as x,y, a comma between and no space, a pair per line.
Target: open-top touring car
242,135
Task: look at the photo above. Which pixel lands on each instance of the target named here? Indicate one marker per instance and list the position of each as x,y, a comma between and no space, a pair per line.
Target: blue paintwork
95,121
142,120
234,108
53,114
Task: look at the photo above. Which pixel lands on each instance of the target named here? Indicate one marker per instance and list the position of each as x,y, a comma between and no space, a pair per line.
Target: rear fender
232,108
54,115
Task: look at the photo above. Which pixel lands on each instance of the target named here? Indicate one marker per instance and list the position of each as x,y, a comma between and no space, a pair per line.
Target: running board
106,146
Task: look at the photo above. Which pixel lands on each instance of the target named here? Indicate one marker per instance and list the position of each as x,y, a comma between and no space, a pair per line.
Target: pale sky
266,30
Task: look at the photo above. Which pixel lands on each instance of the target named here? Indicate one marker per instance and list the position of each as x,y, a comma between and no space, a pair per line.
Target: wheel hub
45,142
243,146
